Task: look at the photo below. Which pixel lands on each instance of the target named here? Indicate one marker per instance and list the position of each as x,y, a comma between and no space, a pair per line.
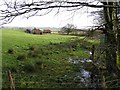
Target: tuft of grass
33,47
11,51
33,54
39,65
29,68
22,57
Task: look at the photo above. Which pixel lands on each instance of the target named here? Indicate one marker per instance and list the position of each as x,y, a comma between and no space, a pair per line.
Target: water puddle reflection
83,75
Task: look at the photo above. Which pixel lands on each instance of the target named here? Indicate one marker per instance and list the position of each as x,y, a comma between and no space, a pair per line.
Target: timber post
12,87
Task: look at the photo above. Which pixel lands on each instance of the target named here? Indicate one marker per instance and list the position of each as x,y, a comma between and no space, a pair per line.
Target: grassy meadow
19,41
42,61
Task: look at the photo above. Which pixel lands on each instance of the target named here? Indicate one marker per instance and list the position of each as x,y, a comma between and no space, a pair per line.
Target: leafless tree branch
13,9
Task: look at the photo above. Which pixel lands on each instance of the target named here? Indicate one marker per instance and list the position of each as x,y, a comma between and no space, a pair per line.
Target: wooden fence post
12,87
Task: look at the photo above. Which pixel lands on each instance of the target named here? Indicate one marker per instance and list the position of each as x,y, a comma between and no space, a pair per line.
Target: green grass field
19,40
41,61
44,61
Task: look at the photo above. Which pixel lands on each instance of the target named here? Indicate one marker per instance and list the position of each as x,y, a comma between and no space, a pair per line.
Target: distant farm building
47,31
36,31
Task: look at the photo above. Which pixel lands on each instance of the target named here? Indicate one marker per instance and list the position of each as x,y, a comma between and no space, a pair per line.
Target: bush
28,31
90,33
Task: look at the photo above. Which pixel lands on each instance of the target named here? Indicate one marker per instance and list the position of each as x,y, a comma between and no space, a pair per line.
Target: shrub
28,31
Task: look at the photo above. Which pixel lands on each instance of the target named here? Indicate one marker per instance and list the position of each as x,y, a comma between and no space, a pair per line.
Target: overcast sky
80,20
51,20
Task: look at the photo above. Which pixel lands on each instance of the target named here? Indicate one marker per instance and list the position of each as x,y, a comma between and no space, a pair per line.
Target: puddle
83,76
76,61
90,53
73,61
85,60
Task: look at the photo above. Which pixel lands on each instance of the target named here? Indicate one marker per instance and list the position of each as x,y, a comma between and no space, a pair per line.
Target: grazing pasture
38,60
49,60
19,41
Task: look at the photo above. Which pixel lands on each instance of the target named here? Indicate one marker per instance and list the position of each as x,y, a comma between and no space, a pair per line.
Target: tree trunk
110,38
118,44
118,37
68,31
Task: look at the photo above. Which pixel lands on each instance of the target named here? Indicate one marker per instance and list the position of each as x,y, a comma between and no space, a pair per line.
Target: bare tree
98,17
68,28
40,7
